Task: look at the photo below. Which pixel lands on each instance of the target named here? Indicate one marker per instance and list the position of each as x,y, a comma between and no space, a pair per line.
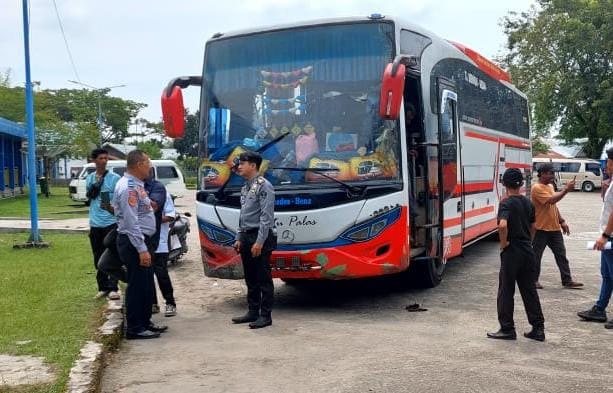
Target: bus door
441,160
449,163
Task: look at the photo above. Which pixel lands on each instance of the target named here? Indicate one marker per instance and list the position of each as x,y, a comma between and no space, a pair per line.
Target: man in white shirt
160,261
597,313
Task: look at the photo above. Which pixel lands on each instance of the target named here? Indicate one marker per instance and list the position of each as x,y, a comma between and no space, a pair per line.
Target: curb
56,230
86,373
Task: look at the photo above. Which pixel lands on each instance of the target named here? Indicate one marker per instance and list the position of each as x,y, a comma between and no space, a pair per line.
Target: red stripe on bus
450,222
517,165
479,212
479,229
501,139
474,187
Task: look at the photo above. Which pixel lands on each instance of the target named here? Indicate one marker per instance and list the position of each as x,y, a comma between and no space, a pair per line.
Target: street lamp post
99,90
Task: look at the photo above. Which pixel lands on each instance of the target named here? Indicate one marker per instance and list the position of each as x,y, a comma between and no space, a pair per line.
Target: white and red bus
360,191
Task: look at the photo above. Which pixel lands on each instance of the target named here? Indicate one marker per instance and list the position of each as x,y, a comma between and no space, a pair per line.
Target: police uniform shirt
133,210
99,217
257,208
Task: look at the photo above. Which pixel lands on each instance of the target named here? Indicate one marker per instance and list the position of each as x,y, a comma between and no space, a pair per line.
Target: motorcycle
177,237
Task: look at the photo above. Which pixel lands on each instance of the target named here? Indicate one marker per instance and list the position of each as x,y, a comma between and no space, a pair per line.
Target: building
11,158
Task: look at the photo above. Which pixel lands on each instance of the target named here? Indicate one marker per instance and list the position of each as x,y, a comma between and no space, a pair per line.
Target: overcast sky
145,43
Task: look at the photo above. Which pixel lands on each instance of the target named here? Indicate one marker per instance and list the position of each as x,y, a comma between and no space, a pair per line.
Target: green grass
46,296
57,206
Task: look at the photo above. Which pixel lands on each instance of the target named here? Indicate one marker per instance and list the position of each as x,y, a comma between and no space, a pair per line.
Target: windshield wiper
353,190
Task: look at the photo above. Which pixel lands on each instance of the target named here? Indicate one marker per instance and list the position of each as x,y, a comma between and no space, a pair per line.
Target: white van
587,172
166,172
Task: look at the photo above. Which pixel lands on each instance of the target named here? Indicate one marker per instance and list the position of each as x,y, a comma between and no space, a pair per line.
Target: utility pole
99,90
35,238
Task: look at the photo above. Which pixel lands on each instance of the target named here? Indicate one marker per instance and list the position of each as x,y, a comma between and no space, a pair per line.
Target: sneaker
170,311
101,294
155,309
113,295
573,285
594,314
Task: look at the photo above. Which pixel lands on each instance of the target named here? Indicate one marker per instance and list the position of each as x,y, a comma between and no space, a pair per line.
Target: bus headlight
371,228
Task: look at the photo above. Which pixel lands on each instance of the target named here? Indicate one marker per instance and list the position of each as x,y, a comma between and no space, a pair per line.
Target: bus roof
480,61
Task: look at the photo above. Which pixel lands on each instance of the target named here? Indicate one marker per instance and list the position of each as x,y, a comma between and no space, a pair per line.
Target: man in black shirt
517,261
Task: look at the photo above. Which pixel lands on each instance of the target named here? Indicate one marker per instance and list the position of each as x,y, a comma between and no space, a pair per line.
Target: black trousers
555,241
139,296
96,238
260,289
517,265
160,268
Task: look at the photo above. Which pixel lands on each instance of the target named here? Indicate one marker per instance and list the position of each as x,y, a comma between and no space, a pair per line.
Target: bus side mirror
392,88
173,112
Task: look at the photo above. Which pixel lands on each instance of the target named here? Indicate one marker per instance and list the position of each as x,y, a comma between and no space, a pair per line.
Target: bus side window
447,115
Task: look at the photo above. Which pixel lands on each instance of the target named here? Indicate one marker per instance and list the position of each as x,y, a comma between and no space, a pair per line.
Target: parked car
165,171
587,172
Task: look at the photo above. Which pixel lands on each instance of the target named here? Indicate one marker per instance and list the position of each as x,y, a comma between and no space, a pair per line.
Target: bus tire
427,273
587,186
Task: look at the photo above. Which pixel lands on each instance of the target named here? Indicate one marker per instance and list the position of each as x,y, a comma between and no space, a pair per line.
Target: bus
363,187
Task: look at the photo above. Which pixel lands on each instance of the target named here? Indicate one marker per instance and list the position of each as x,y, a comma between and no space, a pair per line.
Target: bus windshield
314,91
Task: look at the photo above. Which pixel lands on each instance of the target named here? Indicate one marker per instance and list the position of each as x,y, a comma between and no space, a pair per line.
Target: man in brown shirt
550,225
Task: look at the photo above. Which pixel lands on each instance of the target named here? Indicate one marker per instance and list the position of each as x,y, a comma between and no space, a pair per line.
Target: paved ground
357,336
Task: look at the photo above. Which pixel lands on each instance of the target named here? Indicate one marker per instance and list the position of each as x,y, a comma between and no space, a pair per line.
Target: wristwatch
607,235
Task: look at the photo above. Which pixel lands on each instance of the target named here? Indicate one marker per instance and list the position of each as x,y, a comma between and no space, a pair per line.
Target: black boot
261,322
537,333
503,335
251,316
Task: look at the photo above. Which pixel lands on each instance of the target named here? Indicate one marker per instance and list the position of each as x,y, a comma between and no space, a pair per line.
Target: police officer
516,230
255,240
135,227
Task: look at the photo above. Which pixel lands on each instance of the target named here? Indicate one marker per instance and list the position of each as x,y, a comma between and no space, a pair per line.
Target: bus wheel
587,186
427,272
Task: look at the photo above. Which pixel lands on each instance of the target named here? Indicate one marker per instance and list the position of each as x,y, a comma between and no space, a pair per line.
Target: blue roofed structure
11,158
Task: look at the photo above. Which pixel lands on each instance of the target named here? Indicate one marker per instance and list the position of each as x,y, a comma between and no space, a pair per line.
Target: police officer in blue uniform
255,240
135,227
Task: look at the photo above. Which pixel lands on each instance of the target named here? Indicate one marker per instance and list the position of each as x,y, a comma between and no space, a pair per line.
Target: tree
152,148
69,116
81,105
560,53
538,146
188,145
